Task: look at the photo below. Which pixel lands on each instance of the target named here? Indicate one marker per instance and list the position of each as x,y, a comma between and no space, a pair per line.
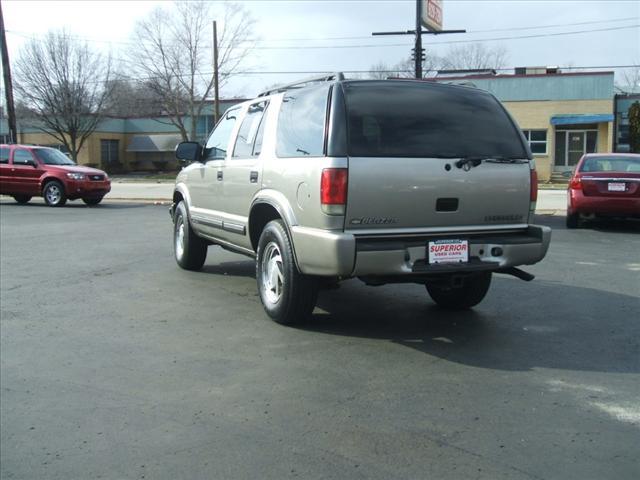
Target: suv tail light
333,190
575,183
534,185
533,192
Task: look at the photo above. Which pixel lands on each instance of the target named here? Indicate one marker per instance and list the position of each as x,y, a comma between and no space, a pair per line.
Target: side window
301,123
4,154
249,130
22,157
216,148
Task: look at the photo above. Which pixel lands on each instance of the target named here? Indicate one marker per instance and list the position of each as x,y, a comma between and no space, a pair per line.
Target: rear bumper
580,203
339,254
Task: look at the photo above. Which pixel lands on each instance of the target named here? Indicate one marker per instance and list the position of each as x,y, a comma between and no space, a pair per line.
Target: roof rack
332,77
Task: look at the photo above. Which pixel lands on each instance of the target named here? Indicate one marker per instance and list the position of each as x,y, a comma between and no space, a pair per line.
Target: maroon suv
29,171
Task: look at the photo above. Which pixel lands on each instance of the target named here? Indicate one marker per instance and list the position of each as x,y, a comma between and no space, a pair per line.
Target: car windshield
51,156
611,163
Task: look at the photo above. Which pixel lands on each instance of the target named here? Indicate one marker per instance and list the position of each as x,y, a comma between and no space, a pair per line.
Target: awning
578,119
154,143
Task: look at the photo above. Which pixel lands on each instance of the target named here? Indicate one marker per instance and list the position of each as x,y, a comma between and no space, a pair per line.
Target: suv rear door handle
253,177
219,174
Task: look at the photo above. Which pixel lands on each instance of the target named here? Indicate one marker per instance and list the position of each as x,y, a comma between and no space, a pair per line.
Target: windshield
51,156
418,119
611,164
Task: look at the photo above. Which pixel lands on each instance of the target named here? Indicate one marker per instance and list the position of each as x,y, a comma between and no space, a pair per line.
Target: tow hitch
516,272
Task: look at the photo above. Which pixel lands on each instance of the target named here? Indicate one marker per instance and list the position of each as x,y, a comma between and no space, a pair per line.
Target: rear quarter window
405,119
4,154
301,123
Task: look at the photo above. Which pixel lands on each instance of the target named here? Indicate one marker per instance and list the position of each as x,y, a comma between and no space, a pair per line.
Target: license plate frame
616,187
447,251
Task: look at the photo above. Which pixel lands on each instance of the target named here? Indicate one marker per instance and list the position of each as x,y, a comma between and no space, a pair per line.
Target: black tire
287,296
472,291
22,199
54,194
189,249
573,220
92,201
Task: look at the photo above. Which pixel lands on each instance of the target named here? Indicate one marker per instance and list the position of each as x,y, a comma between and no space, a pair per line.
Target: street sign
432,15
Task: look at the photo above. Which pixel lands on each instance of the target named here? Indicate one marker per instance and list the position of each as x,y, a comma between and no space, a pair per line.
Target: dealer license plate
448,251
616,187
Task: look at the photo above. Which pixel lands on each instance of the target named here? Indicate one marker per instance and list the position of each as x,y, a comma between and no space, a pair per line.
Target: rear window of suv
405,119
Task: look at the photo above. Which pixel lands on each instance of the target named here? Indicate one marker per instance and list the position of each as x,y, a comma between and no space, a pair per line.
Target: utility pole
8,87
216,95
418,51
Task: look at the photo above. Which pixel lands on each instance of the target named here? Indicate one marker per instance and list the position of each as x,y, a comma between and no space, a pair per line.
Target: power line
378,45
320,72
613,20
450,42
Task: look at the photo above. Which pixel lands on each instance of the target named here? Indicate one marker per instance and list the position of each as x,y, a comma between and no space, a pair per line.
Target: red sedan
604,185
28,171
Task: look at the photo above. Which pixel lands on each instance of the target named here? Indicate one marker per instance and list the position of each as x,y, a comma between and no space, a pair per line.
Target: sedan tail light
575,183
333,190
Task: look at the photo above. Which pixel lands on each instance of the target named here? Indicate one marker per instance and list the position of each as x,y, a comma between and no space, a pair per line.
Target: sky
610,33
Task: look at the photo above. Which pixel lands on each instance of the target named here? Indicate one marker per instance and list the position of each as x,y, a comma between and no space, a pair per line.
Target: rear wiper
468,162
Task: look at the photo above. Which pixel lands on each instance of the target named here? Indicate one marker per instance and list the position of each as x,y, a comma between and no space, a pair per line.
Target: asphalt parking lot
117,364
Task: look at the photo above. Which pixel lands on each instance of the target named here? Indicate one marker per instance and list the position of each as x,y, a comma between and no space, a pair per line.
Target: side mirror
33,163
189,152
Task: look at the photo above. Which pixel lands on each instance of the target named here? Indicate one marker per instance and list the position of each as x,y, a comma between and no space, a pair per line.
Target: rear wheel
288,296
92,201
573,220
470,293
190,250
53,193
22,199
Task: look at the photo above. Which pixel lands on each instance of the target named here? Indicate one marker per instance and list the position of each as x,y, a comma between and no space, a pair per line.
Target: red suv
29,171
604,185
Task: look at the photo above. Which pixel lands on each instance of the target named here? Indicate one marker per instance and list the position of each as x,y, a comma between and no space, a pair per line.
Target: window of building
247,135
537,140
109,151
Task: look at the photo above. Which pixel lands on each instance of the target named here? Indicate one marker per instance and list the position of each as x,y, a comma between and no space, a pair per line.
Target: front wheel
53,193
470,293
288,296
22,199
189,249
92,201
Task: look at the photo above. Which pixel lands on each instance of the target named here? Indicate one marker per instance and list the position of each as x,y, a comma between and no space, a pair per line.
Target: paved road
116,364
548,200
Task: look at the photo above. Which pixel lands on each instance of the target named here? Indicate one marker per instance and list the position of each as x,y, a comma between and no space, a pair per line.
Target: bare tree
173,53
630,79
130,99
475,56
403,69
64,87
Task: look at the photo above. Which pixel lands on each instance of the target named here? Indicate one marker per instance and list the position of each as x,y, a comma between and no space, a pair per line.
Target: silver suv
389,181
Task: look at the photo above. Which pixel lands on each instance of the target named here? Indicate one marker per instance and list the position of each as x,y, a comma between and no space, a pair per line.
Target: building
623,103
562,115
127,144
